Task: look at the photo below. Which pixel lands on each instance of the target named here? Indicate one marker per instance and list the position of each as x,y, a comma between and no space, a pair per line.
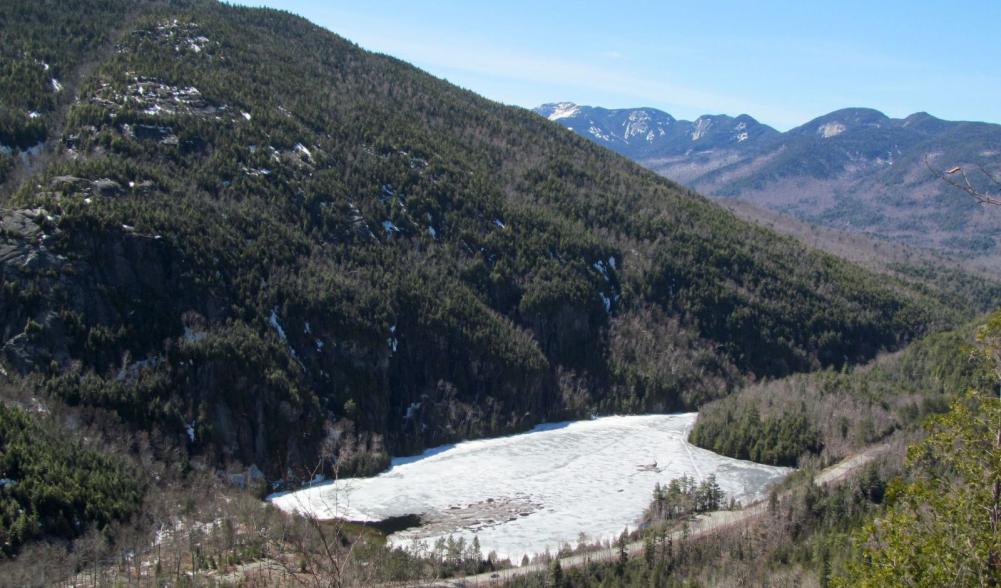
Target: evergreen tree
944,524
555,578
649,550
623,555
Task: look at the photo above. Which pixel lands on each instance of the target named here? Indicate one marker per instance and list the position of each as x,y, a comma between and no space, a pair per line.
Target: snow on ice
538,490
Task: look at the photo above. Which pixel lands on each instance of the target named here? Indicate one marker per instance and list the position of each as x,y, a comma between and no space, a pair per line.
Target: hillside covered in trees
831,414
244,235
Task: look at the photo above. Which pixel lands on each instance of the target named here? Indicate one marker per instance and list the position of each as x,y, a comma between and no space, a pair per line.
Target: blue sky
783,62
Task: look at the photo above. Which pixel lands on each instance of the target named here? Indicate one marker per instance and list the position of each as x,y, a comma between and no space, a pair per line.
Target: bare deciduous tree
958,177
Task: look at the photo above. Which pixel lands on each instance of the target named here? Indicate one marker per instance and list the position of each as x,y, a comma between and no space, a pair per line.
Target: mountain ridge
646,129
854,168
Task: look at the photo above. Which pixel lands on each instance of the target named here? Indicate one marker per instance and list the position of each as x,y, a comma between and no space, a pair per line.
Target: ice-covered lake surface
538,490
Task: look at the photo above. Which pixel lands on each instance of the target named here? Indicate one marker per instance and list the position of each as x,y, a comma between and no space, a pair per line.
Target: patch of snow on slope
526,493
638,124
392,341
600,266
564,110
831,129
197,43
599,134
277,326
702,125
193,335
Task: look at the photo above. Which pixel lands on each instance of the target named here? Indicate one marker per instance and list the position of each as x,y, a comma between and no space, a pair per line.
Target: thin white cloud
587,77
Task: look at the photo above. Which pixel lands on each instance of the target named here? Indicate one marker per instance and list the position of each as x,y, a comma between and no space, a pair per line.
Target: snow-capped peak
564,110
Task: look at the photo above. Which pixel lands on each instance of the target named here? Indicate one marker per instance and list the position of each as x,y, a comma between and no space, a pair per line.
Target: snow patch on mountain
564,110
276,324
637,124
701,127
599,133
831,129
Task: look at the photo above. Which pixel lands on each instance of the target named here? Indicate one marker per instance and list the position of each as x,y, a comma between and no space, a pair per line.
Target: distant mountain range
854,168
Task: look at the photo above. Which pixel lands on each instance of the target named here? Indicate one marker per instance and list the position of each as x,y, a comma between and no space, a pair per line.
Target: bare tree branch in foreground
957,177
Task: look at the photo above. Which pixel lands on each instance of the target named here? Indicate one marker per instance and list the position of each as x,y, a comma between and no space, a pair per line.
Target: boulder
107,187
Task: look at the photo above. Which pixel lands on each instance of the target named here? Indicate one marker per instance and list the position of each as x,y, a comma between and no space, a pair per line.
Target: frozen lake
537,490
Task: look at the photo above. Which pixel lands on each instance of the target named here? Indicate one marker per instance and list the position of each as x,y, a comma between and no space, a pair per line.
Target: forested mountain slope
238,230
834,414
964,282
